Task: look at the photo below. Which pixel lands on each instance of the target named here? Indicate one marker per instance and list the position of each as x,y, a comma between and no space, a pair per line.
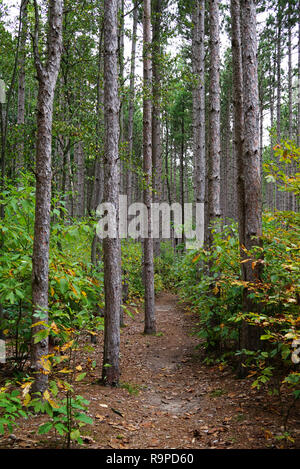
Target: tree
238,120
251,170
198,61
47,75
21,83
214,209
148,266
157,6
111,246
131,102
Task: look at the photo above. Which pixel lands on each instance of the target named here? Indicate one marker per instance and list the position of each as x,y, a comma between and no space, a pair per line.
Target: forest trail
175,400
168,398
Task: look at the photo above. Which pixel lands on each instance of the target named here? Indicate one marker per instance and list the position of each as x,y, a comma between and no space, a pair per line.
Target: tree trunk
156,110
249,336
198,58
111,246
21,87
47,77
79,172
150,327
214,121
131,104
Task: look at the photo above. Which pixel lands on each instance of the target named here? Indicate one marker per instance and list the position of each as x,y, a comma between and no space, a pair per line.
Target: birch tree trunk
150,327
111,246
47,77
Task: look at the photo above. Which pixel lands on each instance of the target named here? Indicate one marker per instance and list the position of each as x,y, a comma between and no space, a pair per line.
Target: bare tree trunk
291,197
121,83
252,206
79,173
198,58
156,109
98,167
214,120
111,246
279,194
272,112
150,326
47,77
21,87
298,120
131,103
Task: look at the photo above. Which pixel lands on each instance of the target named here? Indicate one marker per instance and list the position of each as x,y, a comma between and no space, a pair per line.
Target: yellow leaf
65,370
79,368
46,395
54,328
53,404
40,323
73,290
26,400
26,387
46,364
67,345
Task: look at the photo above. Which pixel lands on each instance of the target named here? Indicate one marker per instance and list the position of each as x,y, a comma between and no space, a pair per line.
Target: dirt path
180,403
168,398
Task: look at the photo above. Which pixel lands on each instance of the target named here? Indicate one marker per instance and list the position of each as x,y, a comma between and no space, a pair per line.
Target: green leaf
80,377
45,428
41,335
84,418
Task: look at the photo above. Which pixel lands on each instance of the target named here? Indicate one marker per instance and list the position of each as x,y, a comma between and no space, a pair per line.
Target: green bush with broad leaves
216,294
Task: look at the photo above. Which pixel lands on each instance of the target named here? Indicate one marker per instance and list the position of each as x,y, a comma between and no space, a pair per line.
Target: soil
168,398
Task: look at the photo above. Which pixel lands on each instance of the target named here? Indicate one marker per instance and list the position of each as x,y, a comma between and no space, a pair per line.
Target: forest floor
168,398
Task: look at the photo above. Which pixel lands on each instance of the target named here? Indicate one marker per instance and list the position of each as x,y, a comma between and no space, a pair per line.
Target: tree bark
198,61
79,176
214,209
131,104
249,335
47,77
156,109
150,327
21,87
111,246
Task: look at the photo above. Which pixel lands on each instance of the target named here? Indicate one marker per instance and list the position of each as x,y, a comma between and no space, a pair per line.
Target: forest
149,225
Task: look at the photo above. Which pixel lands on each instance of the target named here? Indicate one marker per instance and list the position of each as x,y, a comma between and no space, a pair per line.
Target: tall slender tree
111,246
214,208
148,274
198,61
251,169
47,76
131,101
157,6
